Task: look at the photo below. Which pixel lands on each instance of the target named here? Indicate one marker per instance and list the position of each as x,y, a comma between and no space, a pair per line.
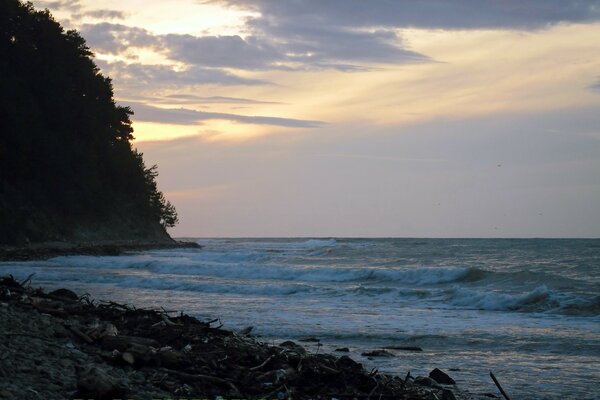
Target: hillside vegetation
68,170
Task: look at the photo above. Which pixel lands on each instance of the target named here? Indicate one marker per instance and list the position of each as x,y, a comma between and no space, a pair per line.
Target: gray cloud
183,116
346,35
143,76
105,14
223,51
595,87
71,5
354,34
442,14
115,38
190,98
323,44
287,46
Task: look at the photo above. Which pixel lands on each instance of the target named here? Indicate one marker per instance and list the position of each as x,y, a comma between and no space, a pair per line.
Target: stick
79,334
263,364
499,387
168,321
27,279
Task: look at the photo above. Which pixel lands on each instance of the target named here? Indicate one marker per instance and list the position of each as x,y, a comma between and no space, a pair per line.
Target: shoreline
45,250
61,345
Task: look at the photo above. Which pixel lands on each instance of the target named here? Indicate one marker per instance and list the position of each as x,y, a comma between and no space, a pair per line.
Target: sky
350,118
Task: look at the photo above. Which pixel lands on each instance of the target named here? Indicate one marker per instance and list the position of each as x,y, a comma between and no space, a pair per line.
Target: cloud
142,76
183,116
105,14
272,46
433,14
112,38
70,5
595,87
191,98
223,51
354,34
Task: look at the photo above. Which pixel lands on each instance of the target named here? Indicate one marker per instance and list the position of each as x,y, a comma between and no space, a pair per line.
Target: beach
60,345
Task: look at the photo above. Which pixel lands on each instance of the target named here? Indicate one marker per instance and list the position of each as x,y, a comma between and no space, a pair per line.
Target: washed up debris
127,350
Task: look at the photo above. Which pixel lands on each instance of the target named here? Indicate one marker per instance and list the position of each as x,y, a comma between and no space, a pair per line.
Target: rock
246,331
128,358
448,395
294,347
405,348
309,339
343,350
441,377
426,381
346,362
172,359
64,294
96,383
377,353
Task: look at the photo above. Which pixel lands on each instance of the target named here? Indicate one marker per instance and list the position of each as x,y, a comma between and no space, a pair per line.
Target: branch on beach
499,387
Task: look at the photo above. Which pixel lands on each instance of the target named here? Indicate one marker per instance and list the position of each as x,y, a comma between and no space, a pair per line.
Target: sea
526,309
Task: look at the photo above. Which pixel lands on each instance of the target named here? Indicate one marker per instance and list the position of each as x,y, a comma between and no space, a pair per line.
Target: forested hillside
67,166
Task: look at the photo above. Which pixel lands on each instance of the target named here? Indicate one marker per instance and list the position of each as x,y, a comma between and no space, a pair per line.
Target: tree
66,157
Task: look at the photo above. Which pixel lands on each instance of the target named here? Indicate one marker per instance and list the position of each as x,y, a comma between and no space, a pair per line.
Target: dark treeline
67,165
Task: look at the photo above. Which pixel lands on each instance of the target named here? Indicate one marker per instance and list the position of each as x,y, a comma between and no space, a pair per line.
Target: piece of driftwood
123,343
27,280
79,334
499,387
51,311
263,364
200,377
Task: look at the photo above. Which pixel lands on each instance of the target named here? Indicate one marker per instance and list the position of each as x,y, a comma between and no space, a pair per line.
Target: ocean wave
140,282
252,266
540,299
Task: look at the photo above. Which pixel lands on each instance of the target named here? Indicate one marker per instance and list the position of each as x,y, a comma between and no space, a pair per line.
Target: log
123,343
263,364
499,387
79,334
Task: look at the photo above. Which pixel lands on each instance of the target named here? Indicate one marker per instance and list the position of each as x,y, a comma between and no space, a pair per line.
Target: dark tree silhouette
66,160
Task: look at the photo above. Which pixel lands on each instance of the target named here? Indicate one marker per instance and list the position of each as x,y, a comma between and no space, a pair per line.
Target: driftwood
499,387
79,334
27,280
187,357
51,311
